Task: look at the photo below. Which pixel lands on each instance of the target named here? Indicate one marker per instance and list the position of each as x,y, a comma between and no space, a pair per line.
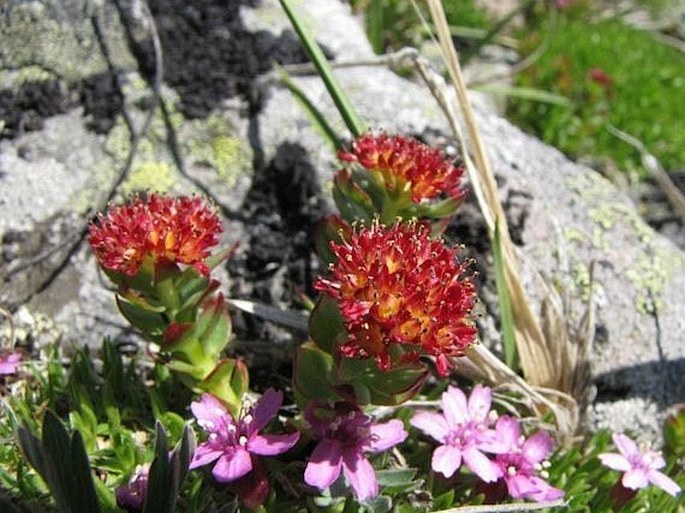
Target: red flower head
178,230
404,162
397,286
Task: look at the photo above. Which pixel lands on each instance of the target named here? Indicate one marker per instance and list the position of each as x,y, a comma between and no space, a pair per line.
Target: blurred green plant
610,73
394,24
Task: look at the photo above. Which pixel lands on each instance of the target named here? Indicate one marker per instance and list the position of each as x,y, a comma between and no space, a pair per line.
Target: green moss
638,86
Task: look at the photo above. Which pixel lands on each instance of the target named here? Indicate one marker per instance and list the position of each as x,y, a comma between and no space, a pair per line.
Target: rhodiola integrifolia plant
396,307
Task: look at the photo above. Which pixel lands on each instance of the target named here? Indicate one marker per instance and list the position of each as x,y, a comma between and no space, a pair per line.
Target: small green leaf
506,313
326,325
149,322
396,477
312,374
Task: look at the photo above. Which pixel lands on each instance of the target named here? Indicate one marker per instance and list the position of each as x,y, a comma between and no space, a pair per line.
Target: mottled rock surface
249,143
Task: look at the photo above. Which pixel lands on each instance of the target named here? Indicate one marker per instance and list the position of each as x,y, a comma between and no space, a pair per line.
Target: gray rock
565,215
569,217
57,39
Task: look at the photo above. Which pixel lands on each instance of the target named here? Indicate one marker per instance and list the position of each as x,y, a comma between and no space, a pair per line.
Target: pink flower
234,443
640,465
345,434
463,432
9,363
132,495
522,465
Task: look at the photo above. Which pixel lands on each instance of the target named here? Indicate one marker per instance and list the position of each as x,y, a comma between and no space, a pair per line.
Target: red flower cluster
398,286
406,162
178,230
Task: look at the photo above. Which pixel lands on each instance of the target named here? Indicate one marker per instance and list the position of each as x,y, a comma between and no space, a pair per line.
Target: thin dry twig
654,168
540,353
505,508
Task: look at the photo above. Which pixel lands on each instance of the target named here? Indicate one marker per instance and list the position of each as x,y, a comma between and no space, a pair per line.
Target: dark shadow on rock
209,55
24,110
279,261
282,205
660,381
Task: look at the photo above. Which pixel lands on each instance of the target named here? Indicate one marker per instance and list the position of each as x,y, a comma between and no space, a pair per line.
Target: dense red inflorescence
177,230
406,162
396,285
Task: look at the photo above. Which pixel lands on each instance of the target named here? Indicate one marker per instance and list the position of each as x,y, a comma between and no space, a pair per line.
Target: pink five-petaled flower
522,465
396,286
463,431
177,230
404,162
235,442
640,465
345,433
9,363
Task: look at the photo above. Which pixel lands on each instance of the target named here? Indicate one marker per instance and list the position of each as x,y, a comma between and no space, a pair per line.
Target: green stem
353,122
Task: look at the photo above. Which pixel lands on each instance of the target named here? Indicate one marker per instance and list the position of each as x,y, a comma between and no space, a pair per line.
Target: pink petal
615,461
267,408
481,465
624,444
538,447
656,461
479,403
232,465
433,424
454,406
9,364
386,435
204,454
489,441
324,464
210,413
271,445
519,485
446,460
540,491
635,479
664,482
360,474
508,430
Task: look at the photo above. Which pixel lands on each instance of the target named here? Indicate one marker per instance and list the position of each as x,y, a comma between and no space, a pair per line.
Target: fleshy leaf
326,324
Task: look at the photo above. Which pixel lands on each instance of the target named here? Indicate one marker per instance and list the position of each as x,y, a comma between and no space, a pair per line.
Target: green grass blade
374,25
317,117
525,93
506,315
471,52
353,122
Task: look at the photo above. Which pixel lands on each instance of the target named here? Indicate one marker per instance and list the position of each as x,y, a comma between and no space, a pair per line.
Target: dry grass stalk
554,365
654,168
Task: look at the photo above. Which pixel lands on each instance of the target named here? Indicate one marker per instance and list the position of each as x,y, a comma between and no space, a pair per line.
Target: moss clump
611,73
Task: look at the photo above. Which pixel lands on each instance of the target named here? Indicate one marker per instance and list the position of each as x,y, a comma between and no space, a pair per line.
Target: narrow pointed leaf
354,124
506,315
